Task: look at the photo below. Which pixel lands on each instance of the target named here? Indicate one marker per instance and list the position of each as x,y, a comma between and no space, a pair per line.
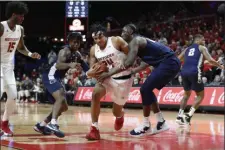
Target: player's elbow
211,61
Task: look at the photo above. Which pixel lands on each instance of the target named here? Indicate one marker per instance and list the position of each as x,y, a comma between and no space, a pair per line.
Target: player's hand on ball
36,55
75,65
97,69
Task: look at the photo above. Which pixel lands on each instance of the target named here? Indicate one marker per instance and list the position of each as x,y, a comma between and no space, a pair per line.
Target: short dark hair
16,7
74,35
133,27
197,37
97,27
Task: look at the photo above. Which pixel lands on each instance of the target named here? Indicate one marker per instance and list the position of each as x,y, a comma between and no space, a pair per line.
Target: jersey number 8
191,52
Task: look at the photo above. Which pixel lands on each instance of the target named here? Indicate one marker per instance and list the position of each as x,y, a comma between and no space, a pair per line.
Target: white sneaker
141,130
160,127
180,120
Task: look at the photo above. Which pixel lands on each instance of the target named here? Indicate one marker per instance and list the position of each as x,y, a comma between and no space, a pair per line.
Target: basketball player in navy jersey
53,72
191,73
166,67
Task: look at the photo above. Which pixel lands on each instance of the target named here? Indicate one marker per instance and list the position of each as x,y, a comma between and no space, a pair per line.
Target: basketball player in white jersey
11,34
111,51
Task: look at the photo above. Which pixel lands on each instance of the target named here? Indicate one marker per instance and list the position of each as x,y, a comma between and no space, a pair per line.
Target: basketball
97,69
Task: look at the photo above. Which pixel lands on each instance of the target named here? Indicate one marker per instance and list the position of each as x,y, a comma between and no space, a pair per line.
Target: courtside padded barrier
168,96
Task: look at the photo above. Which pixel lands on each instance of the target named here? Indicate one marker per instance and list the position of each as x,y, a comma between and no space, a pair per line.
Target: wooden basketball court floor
205,133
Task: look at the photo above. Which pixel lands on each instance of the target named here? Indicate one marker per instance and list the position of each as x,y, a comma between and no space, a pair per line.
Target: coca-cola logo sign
87,94
221,99
135,95
168,95
171,96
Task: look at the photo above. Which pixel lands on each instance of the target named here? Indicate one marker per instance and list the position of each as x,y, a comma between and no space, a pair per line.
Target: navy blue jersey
193,60
49,68
154,53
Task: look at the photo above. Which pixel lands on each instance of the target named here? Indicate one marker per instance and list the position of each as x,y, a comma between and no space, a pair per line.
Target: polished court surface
205,133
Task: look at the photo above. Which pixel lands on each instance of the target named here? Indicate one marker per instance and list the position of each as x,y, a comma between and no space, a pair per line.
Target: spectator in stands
38,91
162,39
52,56
179,80
27,86
204,81
89,82
136,79
216,81
34,74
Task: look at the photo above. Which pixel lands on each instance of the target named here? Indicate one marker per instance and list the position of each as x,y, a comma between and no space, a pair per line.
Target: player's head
199,39
98,33
74,40
15,11
128,31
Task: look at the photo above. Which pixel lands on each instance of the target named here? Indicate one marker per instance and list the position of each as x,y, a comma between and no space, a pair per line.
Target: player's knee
97,94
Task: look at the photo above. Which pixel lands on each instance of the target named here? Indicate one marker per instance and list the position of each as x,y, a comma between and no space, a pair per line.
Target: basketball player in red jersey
112,51
11,33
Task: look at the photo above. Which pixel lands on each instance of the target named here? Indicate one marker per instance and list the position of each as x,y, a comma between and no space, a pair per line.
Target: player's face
202,41
74,44
100,39
18,18
126,34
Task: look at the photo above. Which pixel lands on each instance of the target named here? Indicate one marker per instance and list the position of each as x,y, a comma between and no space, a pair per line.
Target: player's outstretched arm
209,58
1,29
23,49
61,62
141,67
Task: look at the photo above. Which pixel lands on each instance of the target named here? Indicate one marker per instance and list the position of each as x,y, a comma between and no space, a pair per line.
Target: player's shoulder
65,50
1,29
92,49
202,48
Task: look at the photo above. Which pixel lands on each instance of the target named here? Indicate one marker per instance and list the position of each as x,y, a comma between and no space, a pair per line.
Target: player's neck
11,24
106,41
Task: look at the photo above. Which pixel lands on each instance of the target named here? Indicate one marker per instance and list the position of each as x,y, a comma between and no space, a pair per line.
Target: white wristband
29,54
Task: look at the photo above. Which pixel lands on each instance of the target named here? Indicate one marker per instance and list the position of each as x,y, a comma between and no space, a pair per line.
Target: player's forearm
128,63
115,71
140,68
215,63
62,66
24,51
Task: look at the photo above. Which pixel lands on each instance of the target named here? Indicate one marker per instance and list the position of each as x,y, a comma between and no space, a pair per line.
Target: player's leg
10,105
198,87
187,93
98,93
160,77
60,100
118,112
120,93
148,99
41,127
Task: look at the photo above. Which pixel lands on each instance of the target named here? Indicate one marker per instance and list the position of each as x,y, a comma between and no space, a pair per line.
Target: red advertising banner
214,96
